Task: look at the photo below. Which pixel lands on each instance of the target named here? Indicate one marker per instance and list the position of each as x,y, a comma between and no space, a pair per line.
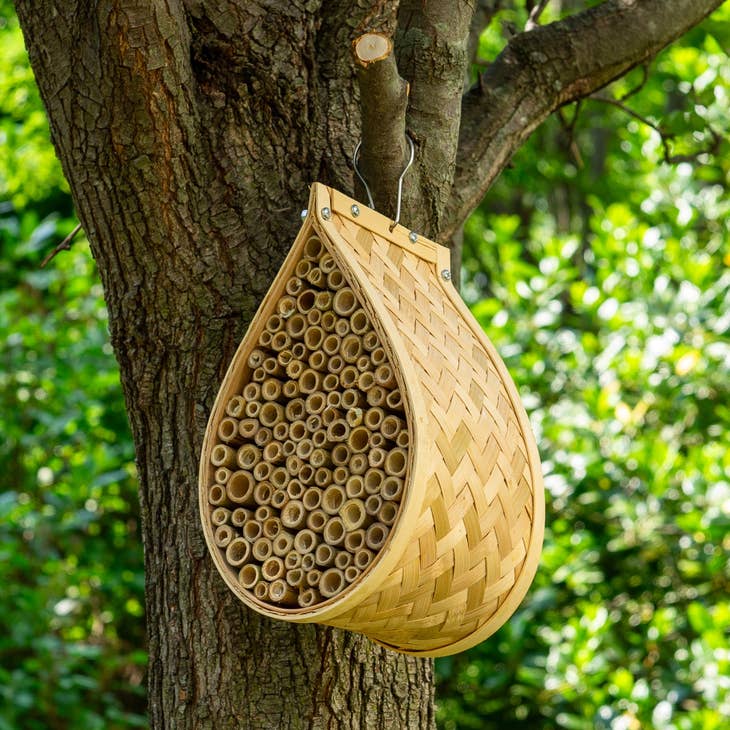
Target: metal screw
303,214
412,236
326,213
446,275
355,210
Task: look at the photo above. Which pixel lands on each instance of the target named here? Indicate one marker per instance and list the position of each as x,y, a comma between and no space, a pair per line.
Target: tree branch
65,245
550,66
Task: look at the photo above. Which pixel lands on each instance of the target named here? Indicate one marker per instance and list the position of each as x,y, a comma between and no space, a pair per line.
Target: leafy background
602,273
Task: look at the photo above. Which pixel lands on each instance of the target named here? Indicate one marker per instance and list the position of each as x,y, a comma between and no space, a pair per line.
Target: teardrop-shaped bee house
368,463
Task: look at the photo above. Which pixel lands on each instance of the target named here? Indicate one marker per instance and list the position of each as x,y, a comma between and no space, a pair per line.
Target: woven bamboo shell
466,542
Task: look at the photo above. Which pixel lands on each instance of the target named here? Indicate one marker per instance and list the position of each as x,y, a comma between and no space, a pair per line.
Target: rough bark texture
189,130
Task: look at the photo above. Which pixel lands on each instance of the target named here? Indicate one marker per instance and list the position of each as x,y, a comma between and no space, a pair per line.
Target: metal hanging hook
356,156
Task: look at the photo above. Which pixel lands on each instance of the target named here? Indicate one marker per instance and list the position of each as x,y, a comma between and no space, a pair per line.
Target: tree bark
189,131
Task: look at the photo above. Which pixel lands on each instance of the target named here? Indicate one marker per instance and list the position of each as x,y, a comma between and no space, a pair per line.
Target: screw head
303,214
412,236
355,210
326,213
446,275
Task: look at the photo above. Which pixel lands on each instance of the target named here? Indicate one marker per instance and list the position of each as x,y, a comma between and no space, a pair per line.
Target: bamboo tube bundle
367,463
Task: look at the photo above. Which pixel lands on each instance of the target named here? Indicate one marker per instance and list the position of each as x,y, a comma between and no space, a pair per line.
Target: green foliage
602,274
71,633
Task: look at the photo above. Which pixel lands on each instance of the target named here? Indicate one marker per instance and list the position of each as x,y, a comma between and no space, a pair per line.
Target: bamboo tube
378,357
235,406
305,301
223,535
403,440
280,342
314,337
328,321
358,464
294,286
342,327
222,475
248,427
240,516
373,480
263,436
359,322
279,498
384,376
286,306
220,516
319,457
353,514
392,488
282,544
338,430
257,376
238,551
315,403
373,418
342,559
295,577
306,474
314,316
309,597
293,559
293,515
265,338
299,351
249,575
349,377
271,414
323,477
366,381
359,440
351,348
318,361
279,477
302,268
391,426
222,455
273,453
316,277
228,430
334,531
261,590
363,558
308,562
289,448
340,475
312,498
313,248
272,527
330,415
327,263
273,568
376,535
363,364
333,498
293,463
240,488
274,323
334,399
290,389
332,582
335,280
344,302
314,422
272,367
319,438
376,396
323,301
373,504
355,541
324,555
313,577
262,471
304,449
331,345
377,440
252,530
396,462
295,411
352,573
310,381
263,512
370,341
355,487
294,369
280,592
352,398
335,364
281,433
271,389
305,541
256,358
387,513
253,407
217,495
262,549
297,430
330,383
394,400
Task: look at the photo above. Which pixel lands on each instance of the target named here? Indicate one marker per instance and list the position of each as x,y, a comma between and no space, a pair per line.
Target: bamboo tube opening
314,337
305,541
394,400
378,357
263,436
272,453
350,348
313,578
314,316
353,514
376,457
295,576
404,439
248,427
286,306
359,439
281,433
396,462
342,327
293,559
222,475
332,582
256,358
297,430
265,339
249,576
355,487
338,430
334,531
327,263
318,361
223,536
384,376
318,458
319,438
392,488
335,279
271,414
271,367
324,555
261,590
307,562
253,407
315,403
376,396
359,464
279,477
262,471
302,268
363,364
294,369
355,541
317,278
222,455
252,530
309,381
373,504
387,513
313,248
330,383
289,448
314,422
235,406
271,389
316,520
334,399
363,558
262,549
342,559
217,494
304,449
293,515
240,488
258,376
308,597
323,300
273,568
340,475
374,417
263,513
352,398
239,516
331,345
377,440
306,474
391,426
352,573
344,302
330,415
312,498
272,527
359,322
274,323
280,342
335,364
238,551
373,480
349,377
299,350
279,498
283,544
333,498
294,286
262,493
280,592
376,535
305,301
290,389
228,430
366,381
323,477
370,341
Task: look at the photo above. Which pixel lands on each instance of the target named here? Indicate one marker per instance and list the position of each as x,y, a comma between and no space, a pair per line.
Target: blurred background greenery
599,265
